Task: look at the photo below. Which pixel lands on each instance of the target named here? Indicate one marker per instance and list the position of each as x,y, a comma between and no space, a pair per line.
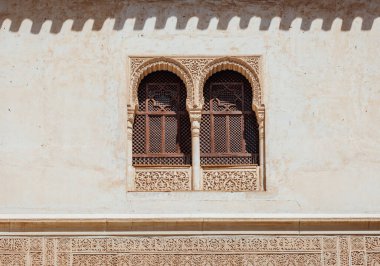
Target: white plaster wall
63,95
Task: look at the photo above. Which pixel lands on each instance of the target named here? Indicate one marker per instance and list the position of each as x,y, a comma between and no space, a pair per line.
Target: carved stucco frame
194,72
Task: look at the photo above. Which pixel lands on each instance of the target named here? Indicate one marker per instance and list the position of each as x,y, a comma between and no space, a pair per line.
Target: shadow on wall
80,11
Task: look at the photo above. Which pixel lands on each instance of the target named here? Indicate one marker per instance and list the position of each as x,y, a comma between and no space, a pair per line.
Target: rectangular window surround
194,72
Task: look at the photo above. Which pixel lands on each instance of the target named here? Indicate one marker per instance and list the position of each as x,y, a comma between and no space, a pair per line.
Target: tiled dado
191,250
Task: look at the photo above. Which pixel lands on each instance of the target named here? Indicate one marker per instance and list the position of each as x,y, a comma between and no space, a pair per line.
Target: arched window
229,130
161,131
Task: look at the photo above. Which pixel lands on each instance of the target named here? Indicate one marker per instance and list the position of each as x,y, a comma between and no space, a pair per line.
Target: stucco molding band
191,250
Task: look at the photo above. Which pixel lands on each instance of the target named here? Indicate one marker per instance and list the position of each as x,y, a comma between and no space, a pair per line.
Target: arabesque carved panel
230,180
190,250
162,180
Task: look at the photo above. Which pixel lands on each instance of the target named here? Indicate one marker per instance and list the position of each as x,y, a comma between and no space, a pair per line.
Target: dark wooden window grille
229,130
161,131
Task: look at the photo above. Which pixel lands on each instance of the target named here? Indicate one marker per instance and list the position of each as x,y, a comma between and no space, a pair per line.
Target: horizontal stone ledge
190,216
194,226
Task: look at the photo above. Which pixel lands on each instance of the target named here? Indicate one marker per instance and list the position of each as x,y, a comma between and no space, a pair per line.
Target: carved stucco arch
159,64
238,65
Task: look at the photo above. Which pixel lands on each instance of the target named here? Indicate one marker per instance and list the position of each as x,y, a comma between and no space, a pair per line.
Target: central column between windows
195,119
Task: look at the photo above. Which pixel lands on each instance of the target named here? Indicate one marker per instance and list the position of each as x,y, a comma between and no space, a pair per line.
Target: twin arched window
229,130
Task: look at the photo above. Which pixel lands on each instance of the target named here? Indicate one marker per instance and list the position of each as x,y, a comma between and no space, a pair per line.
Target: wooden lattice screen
229,130
161,131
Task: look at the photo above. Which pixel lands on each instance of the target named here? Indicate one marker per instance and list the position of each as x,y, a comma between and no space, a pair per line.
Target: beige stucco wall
63,84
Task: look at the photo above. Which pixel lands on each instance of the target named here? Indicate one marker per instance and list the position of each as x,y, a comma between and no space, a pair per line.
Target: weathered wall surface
63,102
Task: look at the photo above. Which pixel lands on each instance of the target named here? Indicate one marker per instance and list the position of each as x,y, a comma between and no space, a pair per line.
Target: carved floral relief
190,250
162,180
230,180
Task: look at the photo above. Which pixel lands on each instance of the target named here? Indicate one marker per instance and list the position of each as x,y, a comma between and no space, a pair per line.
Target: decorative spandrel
194,71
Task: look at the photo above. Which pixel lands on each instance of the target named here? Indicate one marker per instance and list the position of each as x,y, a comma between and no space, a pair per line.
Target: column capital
130,117
195,119
195,115
260,112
